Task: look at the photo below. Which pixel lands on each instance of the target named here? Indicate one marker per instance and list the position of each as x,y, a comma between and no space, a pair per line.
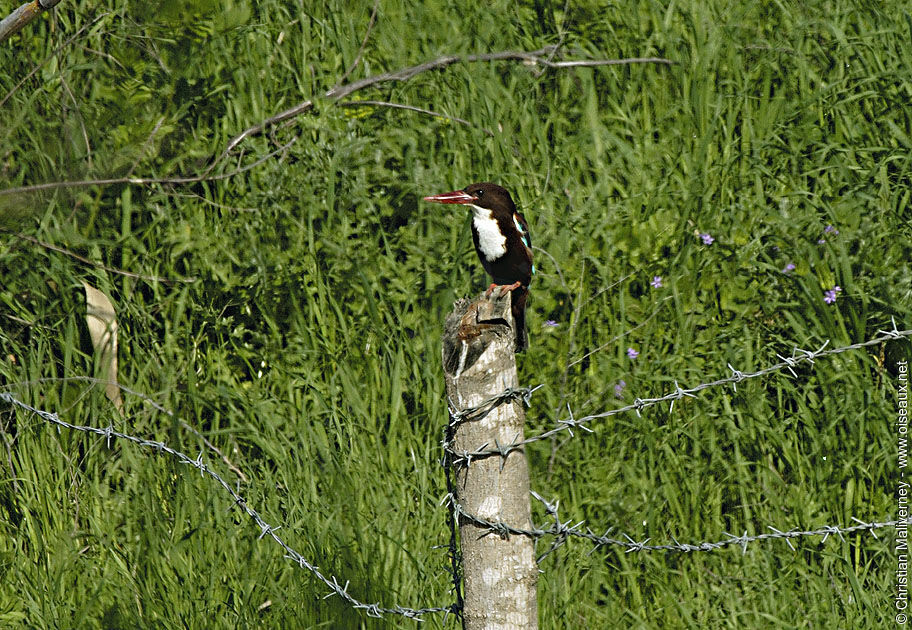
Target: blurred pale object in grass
102,323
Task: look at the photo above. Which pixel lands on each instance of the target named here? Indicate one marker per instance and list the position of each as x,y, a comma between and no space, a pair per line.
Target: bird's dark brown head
490,196
483,194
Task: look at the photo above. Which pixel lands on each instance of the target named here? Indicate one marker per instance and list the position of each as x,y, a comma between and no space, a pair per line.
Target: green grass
292,313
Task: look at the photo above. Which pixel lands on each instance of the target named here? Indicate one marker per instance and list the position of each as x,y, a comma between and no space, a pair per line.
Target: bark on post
500,573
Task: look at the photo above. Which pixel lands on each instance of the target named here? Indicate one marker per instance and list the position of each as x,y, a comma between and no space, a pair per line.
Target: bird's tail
518,307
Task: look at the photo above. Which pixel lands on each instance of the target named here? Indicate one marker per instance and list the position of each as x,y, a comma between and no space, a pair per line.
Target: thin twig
620,336
420,110
82,127
214,204
367,32
20,17
98,265
258,128
146,180
49,57
146,145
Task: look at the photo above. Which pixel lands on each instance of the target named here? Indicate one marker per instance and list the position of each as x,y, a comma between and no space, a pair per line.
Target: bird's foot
503,289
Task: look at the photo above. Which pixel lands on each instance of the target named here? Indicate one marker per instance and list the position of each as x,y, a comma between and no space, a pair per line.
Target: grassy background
297,316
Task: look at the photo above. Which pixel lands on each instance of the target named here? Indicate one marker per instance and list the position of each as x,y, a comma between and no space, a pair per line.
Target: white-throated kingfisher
502,242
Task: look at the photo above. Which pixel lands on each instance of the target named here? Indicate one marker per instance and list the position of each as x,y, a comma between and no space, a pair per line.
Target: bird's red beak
457,196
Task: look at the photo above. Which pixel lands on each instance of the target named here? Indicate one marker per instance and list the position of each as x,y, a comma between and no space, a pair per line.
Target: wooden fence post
500,573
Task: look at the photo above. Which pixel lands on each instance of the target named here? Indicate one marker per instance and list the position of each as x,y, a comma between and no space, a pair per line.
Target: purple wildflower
656,282
830,296
551,323
830,230
633,354
707,238
619,389
789,267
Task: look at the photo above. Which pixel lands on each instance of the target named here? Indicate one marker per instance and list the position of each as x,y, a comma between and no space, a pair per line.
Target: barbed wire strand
798,357
341,590
563,531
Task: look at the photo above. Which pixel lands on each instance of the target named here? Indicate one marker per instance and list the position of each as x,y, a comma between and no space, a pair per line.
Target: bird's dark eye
479,192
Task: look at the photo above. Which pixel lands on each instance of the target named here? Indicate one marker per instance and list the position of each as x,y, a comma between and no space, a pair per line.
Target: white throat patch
492,243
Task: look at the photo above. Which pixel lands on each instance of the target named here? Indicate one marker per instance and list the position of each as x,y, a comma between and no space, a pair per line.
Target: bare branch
19,18
533,57
587,63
